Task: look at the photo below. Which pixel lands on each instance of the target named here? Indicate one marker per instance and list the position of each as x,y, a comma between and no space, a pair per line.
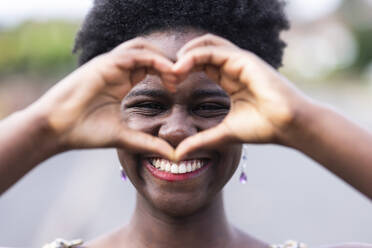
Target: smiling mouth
170,171
178,168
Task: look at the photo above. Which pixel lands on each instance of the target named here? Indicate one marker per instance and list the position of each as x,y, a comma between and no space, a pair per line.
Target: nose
177,126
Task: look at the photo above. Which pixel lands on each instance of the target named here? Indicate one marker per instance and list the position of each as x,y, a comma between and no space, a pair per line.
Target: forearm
338,144
25,142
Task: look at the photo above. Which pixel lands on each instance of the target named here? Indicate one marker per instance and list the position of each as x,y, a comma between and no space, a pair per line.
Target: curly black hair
254,25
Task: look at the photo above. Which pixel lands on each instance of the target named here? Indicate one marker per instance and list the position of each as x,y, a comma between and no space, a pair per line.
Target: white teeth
188,167
198,164
162,165
174,168
193,166
180,168
158,163
155,162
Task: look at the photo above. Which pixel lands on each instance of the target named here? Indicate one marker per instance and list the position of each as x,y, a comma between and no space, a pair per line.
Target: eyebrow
199,93
147,92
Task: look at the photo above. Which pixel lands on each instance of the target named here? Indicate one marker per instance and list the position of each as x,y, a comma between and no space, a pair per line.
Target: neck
207,227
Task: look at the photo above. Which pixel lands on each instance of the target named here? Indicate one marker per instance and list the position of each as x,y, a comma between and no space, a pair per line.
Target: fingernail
172,156
177,156
176,67
179,54
169,78
172,89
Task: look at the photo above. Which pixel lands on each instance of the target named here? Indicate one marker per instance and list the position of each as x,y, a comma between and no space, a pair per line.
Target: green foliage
37,48
364,39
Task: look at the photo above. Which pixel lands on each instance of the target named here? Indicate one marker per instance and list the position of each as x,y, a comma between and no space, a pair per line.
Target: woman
178,103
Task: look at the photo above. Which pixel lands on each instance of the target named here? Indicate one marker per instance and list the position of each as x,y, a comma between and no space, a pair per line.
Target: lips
170,171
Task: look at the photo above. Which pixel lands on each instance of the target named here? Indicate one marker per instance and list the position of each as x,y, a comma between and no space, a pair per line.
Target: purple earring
122,173
243,165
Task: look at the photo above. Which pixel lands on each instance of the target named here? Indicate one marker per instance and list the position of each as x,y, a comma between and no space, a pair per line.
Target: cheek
138,123
229,161
129,162
206,123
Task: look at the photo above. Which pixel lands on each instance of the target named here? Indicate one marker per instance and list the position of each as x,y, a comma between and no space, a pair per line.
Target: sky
15,11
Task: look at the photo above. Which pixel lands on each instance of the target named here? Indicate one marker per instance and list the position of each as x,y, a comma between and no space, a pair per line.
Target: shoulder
347,245
294,244
112,239
242,239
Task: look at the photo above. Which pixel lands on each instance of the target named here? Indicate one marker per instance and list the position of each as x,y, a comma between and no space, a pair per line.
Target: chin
177,205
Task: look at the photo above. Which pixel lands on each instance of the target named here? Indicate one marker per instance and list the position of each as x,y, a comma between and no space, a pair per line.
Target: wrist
299,129
39,129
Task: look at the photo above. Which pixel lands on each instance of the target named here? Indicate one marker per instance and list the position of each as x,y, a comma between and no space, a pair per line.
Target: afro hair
254,25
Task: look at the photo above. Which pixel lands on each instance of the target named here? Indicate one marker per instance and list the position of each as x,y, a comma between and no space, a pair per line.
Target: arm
348,245
335,142
83,111
25,142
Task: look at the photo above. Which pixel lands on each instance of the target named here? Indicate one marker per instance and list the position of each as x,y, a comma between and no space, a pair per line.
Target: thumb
208,139
137,141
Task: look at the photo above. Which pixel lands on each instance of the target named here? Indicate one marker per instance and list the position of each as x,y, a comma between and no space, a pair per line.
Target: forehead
171,41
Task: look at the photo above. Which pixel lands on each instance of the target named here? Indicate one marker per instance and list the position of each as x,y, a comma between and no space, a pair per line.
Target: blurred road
288,196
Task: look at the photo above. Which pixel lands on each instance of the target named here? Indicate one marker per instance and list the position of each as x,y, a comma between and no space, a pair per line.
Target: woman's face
198,104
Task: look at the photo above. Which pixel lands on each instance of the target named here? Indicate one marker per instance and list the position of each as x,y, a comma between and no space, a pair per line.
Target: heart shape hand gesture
262,101
83,110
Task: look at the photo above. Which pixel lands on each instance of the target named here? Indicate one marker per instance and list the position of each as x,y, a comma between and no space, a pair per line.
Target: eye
150,105
211,109
149,108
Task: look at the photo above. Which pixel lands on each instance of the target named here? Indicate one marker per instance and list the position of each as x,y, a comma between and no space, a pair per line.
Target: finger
145,62
137,141
138,75
205,40
213,72
170,86
199,57
168,80
209,139
224,66
134,59
141,44
116,72
137,43
165,77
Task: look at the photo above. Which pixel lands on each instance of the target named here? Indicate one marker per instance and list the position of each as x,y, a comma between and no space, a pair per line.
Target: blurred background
80,195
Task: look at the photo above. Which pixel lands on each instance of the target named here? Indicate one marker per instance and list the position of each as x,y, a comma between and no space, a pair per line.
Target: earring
122,173
243,165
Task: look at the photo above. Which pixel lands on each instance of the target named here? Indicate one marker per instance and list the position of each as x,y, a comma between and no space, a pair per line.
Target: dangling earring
243,165
122,173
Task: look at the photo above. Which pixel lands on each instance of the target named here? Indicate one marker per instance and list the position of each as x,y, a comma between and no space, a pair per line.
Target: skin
174,213
264,108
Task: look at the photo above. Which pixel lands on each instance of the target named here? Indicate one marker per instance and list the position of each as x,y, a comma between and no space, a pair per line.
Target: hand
83,110
264,104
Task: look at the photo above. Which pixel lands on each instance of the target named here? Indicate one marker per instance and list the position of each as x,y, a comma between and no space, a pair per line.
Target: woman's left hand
264,104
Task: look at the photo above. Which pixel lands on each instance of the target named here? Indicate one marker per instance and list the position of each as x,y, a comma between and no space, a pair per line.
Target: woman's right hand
83,110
